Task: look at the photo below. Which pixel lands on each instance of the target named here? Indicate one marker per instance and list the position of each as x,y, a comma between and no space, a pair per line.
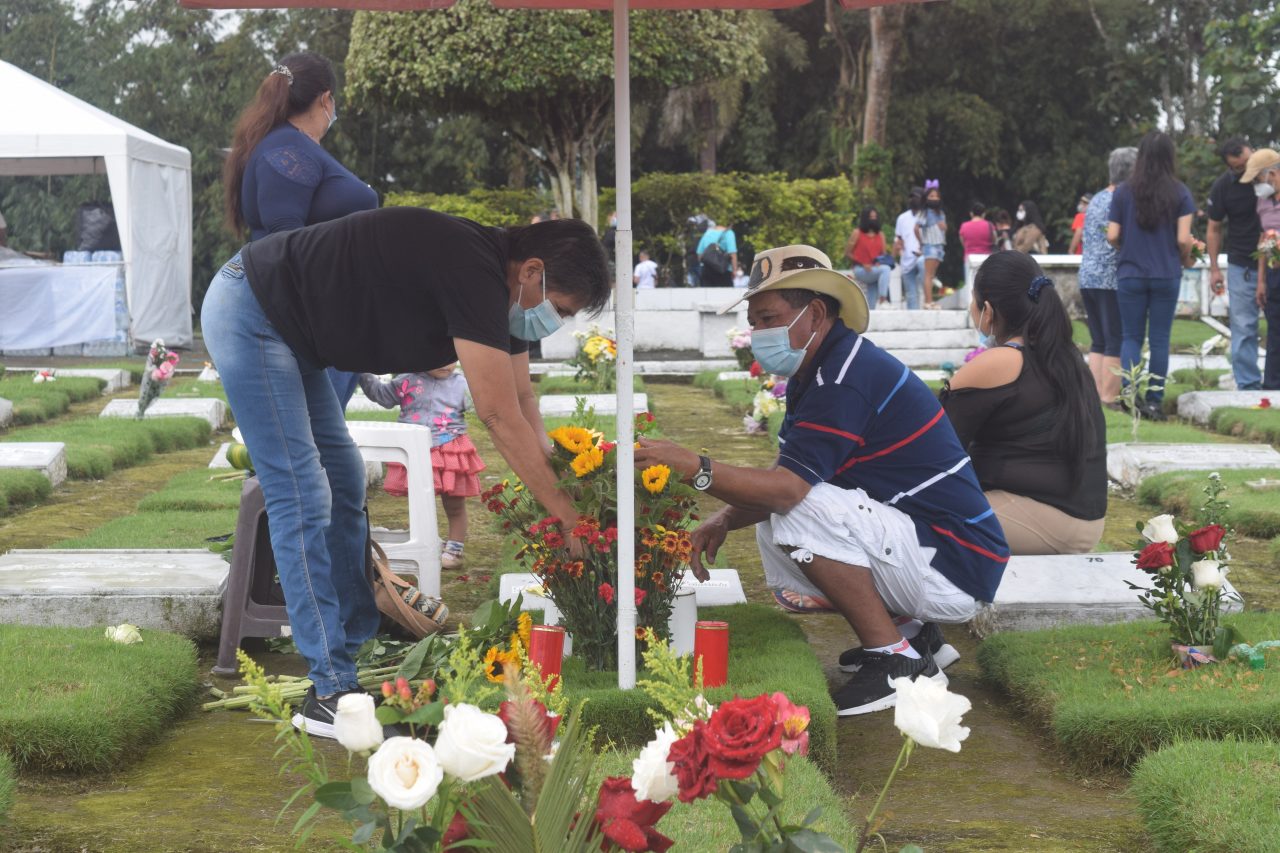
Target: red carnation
553,539
606,592
1264,403
606,446
691,766
627,823
756,370
640,594
1156,556
1207,539
740,733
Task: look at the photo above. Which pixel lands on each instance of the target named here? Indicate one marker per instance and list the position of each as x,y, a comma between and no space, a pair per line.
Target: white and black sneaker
870,689
928,640
315,717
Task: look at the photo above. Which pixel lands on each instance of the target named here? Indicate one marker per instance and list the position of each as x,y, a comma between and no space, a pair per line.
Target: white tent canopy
48,132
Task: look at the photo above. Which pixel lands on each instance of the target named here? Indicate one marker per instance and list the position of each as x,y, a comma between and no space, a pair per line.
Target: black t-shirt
1008,433
384,291
1236,202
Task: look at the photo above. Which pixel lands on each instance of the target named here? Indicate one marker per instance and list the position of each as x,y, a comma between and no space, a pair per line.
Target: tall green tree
1243,60
545,77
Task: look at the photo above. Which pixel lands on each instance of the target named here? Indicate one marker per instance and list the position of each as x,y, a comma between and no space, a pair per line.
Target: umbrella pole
624,300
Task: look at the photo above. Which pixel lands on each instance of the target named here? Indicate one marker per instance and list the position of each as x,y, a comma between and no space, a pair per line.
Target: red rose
690,765
457,831
1156,556
739,734
606,593
1207,538
627,823
640,594
755,370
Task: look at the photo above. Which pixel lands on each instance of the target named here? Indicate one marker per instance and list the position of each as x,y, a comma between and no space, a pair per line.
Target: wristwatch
702,479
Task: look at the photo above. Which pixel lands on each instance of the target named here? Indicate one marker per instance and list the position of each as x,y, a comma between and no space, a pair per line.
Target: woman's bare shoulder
990,369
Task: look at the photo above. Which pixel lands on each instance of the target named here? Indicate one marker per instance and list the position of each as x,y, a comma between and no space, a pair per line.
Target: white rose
930,714
651,777
1161,529
472,744
354,724
126,634
405,772
1207,574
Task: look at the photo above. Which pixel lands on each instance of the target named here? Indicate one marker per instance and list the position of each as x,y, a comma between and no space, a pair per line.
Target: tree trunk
708,132
589,198
887,26
847,111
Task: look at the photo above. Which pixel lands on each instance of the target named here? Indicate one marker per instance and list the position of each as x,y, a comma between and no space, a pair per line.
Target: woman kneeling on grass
398,290
1028,412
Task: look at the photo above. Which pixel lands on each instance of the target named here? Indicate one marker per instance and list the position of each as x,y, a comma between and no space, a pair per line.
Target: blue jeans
312,477
1147,306
1271,376
911,284
1102,314
344,384
1242,289
874,283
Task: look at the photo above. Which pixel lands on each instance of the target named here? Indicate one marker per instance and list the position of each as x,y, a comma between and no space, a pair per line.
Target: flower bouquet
595,358
1269,249
159,370
769,400
584,589
1198,252
1188,570
740,343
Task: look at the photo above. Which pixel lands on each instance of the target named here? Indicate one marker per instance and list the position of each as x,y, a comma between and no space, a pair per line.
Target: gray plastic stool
253,605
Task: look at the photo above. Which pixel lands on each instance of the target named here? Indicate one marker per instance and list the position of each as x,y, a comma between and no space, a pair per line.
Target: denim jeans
911,284
1242,289
875,283
312,477
1271,376
1147,306
344,384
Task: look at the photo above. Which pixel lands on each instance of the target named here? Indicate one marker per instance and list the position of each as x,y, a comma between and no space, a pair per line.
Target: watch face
702,480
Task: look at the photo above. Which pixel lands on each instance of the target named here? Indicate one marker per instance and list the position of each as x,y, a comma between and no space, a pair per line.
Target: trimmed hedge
768,652
1112,694
20,489
501,207
1211,795
34,402
1250,424
1252,513
71,700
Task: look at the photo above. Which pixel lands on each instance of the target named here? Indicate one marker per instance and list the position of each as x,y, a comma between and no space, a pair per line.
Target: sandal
797,602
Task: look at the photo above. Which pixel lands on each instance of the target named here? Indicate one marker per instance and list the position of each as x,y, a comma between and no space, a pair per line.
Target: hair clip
1040,281
283,71
931,184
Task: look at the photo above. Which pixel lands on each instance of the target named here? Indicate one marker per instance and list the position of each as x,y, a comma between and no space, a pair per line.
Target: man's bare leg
853,593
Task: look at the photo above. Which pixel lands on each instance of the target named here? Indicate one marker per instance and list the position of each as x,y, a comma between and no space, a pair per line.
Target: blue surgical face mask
986,341
773,349
534,324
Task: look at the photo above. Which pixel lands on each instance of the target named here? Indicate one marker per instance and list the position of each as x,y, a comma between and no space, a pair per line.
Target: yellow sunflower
587,461
655,478
493,662
524,627
572,439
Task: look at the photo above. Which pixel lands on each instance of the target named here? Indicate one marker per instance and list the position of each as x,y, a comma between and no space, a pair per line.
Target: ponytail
1027,304
288,90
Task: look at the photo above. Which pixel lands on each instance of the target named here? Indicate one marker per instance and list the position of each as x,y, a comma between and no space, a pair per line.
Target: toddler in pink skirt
436,399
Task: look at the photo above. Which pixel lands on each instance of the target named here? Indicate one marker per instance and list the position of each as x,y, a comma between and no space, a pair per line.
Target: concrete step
916,339
882,320
1130,464
928,358
1073,589
177,590
47,457
564,405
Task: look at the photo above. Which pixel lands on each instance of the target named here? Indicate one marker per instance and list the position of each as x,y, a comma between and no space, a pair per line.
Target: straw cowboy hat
1263,158
805,268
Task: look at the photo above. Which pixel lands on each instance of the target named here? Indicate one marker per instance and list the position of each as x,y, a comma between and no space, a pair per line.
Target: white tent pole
623,300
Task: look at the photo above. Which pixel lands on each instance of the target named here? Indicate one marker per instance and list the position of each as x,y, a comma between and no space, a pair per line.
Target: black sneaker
870,689
315,717
928,640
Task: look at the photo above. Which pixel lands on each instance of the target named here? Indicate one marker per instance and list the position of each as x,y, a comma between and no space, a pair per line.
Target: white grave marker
210,409
47,457
1130,464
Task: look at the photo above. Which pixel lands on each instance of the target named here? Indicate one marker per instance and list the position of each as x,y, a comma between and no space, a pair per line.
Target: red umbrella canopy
420,5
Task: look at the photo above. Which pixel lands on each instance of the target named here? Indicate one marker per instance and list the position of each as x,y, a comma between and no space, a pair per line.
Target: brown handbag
401,601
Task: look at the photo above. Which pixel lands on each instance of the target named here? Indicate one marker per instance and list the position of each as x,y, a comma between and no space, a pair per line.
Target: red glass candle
711,648
546,649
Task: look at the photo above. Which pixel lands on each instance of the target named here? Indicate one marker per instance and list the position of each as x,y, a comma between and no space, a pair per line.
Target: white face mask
1022,214
1264,190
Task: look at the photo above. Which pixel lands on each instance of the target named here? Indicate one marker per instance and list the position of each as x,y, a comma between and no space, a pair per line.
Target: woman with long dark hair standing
1150,226
278,177
1032,235
1027,411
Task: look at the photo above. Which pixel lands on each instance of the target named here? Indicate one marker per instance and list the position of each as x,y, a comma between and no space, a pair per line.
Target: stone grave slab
732,375
47,457
360,403
1198,406
564,405
177,590
1130,464
210,409
1074,589
117,380
6,413
723,587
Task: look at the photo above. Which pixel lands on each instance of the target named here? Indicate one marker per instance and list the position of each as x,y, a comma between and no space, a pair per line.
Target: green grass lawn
1252,513
570,385
1120,429
1186,335
1250,424
1112,694
35,402
20,488
71,700
98,446
706,825
1211,796
7,785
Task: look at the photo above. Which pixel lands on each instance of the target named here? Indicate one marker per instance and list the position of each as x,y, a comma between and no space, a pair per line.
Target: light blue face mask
534,324
772,348
985,341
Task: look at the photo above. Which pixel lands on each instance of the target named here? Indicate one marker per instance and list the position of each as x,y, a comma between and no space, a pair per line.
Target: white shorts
847,526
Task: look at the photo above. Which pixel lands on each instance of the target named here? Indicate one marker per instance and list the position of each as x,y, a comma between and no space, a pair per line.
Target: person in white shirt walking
906,247
645,276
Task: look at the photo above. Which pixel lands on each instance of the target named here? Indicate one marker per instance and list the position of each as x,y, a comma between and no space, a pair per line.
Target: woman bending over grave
1028,412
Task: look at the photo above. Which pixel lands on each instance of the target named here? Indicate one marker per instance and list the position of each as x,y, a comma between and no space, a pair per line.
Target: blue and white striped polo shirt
863,420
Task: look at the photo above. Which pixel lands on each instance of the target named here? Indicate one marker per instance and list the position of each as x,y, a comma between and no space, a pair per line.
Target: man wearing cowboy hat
872,503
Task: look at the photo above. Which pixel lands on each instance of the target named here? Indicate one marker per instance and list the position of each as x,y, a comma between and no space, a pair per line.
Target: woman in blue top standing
1150,226
278,177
